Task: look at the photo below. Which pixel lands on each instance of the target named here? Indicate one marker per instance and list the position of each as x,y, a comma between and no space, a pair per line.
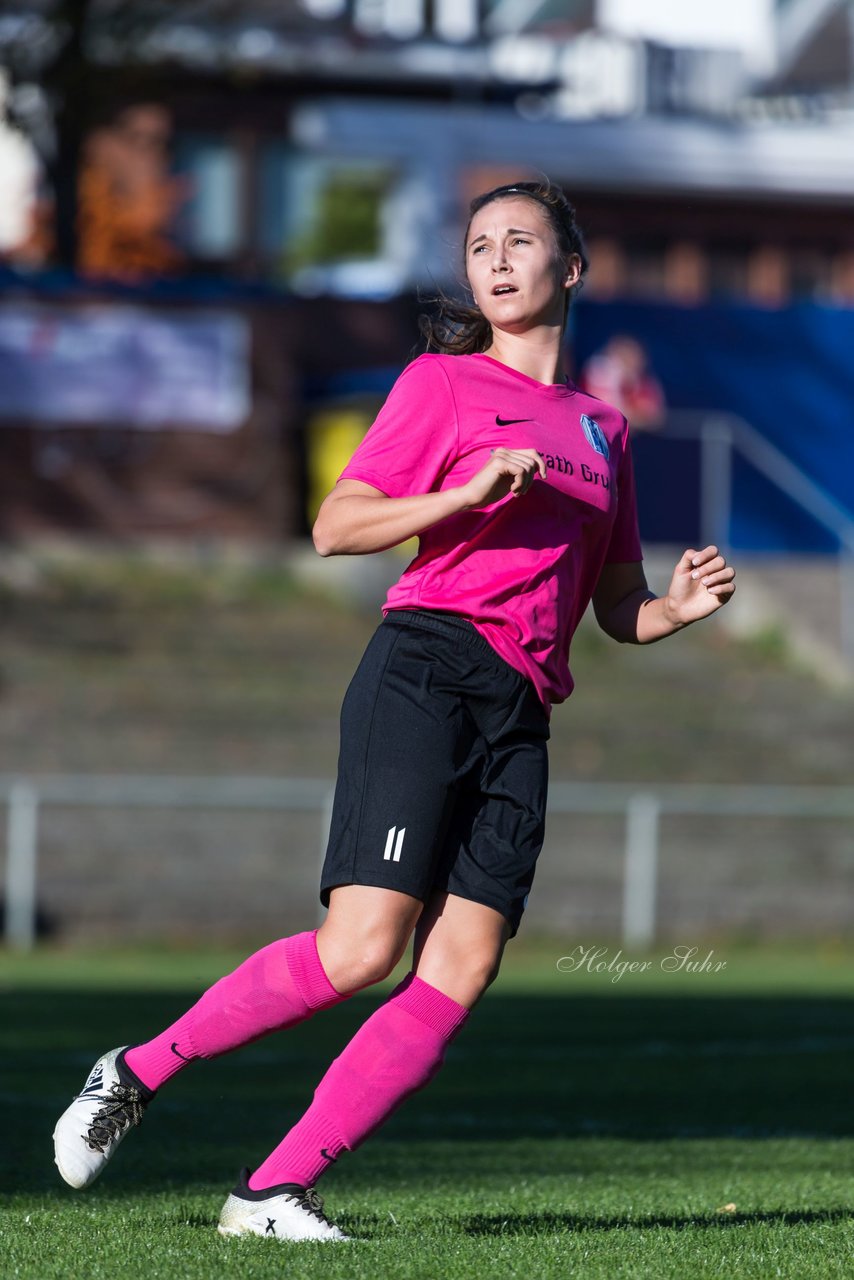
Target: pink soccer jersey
522,570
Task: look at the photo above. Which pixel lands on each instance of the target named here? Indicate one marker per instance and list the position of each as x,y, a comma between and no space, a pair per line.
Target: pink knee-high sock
278,986
397,1051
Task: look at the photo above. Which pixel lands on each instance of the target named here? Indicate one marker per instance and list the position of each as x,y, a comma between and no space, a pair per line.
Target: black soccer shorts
443,768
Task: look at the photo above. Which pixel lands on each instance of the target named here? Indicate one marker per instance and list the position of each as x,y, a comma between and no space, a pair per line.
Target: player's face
515,268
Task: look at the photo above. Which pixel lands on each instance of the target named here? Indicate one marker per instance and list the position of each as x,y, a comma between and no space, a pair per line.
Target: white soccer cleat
87,1134
286,1212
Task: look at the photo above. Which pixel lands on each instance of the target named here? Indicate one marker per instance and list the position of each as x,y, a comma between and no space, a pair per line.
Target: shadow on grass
375,1228
547,1224
526,1068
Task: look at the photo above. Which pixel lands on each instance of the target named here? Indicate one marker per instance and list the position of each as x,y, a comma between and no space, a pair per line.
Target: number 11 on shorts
392,844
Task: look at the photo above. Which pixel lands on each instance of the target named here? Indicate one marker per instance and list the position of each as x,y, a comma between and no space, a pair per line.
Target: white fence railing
724,435
642,806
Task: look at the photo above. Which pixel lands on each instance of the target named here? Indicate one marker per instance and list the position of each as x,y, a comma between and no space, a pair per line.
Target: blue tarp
789,373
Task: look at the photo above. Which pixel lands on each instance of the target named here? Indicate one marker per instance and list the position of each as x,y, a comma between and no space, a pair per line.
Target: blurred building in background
257,192
330,145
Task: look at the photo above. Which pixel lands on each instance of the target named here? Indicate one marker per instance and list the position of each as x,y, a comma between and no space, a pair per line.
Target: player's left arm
628,611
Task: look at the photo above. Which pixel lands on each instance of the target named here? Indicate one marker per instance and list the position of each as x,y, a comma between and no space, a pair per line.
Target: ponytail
456,329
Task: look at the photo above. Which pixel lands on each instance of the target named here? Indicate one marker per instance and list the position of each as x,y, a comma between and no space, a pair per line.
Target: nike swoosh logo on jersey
509,422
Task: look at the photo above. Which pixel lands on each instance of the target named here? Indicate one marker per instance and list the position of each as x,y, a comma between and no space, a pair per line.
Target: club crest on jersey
595,436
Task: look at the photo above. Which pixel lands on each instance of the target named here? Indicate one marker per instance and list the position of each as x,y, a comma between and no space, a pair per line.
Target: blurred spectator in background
128,199
25,232
619,374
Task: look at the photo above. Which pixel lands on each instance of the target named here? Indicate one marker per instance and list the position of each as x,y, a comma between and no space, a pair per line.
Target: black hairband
531,195
520,191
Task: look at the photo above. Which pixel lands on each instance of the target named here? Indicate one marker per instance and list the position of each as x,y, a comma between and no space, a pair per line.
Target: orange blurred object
127,199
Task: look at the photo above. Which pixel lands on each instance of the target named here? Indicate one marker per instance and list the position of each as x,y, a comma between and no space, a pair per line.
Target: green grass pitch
682,1125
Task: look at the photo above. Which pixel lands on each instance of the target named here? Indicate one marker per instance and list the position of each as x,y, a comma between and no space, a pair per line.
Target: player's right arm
356,518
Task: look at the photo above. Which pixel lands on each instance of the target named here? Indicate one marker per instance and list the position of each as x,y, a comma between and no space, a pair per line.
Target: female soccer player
520,489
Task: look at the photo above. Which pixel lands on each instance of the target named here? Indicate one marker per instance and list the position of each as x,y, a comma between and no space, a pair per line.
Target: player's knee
363,937
469,975
485,971
374,960
368,960
492,971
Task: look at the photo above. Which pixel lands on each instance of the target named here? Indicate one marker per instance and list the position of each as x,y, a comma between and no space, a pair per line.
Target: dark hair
458,328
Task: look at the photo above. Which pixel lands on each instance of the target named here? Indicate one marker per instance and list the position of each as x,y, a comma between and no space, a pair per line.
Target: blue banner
789,373
123,366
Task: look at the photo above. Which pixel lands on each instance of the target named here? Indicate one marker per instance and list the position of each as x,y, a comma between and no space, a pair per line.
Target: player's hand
508,471
702,582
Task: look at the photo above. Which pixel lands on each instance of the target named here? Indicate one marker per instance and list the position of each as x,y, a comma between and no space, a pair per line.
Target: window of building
209,225
728,274
645,269
810,273
323,221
